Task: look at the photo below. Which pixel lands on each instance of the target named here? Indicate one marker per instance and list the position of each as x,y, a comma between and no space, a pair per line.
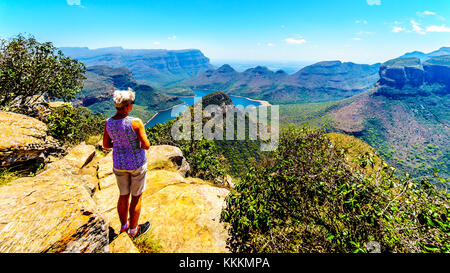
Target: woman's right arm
107,141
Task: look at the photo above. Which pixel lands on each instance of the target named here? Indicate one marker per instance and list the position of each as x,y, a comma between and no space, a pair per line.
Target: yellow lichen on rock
52,212
122,244
22,138
184,212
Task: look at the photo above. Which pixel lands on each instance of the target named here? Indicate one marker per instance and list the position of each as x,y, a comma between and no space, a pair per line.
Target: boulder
77,157
23,138
165,153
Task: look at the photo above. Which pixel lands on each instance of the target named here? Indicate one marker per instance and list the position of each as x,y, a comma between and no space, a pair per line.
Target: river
166,115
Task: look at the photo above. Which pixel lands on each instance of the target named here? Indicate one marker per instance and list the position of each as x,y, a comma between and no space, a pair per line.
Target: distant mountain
103,80
153,66
425,56
405,116
323,81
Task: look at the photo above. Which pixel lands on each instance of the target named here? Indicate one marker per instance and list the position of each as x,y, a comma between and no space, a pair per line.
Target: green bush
30,69
73,125
305,197
203,156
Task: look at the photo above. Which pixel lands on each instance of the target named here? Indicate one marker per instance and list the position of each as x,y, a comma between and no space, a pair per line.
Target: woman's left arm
139,129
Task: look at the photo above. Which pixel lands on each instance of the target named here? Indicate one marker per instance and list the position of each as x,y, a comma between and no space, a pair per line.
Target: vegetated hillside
323,81
103,80
321,193
152,66
235,155
405,117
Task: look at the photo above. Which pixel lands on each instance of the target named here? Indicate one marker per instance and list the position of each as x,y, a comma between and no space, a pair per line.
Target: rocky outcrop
53,211
71,207
184,212
23,138
437,71
408,76
400,72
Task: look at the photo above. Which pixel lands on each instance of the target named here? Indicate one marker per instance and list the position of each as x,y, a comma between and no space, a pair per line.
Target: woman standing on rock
126,136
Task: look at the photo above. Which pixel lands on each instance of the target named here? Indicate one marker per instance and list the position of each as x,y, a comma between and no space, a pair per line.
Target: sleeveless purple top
127,152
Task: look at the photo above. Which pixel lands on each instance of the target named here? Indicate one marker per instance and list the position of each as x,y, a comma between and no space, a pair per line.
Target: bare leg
122,208
135,210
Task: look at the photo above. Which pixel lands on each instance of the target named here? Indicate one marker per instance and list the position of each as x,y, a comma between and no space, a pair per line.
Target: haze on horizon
362,31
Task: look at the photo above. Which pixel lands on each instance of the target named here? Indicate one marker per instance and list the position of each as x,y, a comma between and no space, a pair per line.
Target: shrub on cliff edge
307,198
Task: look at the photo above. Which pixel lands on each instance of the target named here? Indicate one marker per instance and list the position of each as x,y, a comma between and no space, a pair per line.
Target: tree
30,69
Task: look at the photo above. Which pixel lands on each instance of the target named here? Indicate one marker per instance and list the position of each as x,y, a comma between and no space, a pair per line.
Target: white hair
123,98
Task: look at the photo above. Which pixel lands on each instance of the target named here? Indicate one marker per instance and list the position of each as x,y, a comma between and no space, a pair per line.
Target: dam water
166,115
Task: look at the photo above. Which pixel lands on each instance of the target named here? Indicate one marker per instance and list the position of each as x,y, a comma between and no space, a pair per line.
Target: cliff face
155,66
408,76
71,206
399,72
103,80
437,70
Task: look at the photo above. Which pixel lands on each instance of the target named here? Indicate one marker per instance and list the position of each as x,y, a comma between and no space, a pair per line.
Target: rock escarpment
437,70
71,207
150,65
400,72
410,77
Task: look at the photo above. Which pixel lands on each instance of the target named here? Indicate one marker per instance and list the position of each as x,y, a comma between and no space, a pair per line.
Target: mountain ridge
152,66
327,80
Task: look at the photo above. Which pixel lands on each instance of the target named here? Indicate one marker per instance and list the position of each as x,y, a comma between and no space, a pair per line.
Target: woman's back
127,151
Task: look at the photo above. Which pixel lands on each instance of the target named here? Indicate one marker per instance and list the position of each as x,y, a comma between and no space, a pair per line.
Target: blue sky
364,31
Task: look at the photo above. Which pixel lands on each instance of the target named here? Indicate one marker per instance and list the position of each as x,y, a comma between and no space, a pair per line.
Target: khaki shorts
131,181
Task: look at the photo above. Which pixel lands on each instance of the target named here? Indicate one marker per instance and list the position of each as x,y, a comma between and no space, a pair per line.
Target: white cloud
361,22
441,28
424,13
416,27
427,12
397,29
294,41
173,37
156,43
74,2
270,44
365,33
374,2
357,39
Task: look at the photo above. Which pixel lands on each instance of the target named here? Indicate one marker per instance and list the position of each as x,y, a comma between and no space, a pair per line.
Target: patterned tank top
127,151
